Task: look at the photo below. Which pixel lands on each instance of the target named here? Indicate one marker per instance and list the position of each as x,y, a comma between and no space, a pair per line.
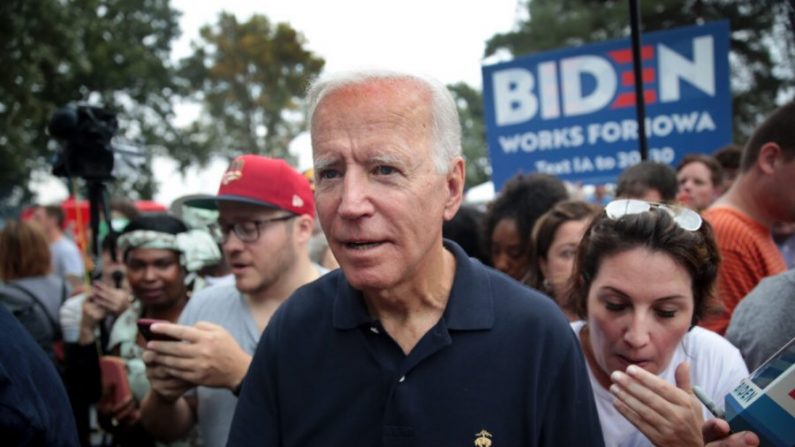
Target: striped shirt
749,254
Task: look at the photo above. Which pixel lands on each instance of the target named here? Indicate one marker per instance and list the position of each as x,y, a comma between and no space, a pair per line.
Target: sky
441,38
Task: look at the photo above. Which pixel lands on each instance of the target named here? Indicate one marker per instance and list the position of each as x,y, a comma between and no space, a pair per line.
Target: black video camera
86,133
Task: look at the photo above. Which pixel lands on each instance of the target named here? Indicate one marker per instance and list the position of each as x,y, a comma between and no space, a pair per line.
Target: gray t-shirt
762,323
66,259
225,306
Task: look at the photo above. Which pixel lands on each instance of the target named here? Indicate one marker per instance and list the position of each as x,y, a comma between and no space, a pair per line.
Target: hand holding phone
145,329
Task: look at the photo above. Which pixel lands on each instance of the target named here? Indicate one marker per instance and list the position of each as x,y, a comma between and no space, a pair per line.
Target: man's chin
244,285
367,279
248,286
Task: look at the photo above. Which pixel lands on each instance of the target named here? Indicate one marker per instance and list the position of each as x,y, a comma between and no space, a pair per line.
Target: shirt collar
470,306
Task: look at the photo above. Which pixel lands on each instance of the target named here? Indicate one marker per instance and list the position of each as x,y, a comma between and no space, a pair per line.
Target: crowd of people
371,307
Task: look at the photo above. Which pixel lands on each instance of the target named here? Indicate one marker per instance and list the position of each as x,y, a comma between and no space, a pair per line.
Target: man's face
379,198
259,264
783,197
695,185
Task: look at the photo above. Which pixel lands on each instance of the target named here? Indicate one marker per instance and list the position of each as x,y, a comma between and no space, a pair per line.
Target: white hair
446,127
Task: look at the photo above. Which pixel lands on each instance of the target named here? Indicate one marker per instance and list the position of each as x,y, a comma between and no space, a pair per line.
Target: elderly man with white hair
410,342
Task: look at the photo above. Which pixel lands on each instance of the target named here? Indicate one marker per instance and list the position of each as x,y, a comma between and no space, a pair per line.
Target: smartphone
145,329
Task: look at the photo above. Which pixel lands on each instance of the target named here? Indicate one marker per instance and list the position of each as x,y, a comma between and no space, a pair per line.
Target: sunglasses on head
686,218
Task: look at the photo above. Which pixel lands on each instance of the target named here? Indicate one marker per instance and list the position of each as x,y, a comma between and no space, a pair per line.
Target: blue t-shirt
501,364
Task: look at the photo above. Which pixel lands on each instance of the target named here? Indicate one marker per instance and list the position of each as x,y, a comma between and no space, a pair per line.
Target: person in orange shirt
762,194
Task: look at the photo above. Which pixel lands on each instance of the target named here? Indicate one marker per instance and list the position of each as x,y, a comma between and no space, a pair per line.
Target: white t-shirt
715,365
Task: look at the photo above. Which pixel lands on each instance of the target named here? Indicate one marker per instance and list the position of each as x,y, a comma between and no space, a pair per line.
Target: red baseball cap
264,181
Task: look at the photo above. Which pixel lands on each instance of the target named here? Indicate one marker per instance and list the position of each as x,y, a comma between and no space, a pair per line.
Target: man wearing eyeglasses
266,217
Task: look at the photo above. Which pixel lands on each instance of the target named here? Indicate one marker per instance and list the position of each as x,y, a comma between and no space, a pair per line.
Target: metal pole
640,103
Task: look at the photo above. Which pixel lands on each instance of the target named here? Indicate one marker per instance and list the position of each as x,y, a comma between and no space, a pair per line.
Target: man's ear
304,227
769,155
455,187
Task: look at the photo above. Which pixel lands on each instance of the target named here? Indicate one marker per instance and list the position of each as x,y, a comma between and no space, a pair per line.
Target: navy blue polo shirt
34,408
501,363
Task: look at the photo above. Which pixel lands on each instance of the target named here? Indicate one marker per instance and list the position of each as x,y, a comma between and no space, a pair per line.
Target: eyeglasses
248,231
686,218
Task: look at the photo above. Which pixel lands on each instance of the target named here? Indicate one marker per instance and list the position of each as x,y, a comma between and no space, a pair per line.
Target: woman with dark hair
643,278
155,250
31,292
553,245
510,218
466,230
700,179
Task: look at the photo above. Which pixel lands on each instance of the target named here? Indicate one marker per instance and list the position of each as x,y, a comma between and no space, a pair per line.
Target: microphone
764,402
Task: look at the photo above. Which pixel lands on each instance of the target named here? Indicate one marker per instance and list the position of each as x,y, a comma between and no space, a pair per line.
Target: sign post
640,102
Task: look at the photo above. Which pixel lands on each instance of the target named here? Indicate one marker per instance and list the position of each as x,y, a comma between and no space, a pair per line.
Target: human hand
208,355
664,413
162,384
124,413
113,300
717,433
91,315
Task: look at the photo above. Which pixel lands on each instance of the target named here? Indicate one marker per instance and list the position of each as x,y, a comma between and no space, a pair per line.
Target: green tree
762,49
251,78
112,53
473,138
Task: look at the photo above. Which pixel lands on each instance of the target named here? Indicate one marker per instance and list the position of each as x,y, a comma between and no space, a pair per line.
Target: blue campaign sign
571,112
